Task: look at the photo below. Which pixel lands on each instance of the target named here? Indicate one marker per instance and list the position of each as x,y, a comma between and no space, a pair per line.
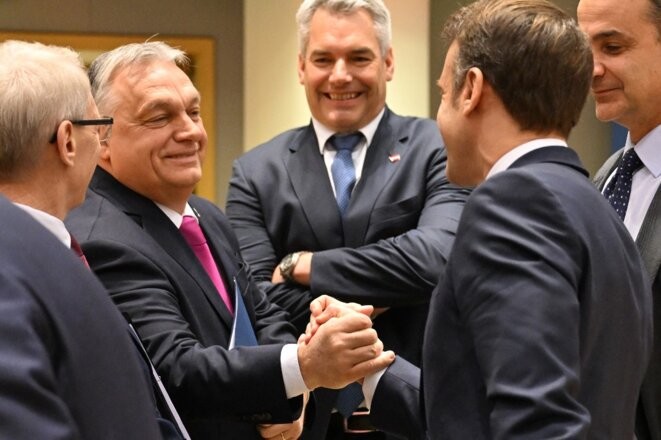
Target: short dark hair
533,55
655,15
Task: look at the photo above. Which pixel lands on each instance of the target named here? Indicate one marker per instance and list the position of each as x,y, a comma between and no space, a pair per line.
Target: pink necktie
193,234
75,247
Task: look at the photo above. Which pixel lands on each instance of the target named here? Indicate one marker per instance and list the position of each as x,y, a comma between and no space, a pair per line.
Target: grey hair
105,67
40,86
376,9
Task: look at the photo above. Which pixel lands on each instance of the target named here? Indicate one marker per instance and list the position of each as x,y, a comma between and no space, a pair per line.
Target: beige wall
257,93
274,101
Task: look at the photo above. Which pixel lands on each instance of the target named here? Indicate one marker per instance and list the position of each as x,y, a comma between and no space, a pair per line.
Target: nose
340,72
190,129
599,69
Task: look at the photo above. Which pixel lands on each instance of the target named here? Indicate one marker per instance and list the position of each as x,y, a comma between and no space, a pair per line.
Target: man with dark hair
626,44
541,326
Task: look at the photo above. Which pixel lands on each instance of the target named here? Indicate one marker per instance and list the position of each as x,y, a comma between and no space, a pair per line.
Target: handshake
339,345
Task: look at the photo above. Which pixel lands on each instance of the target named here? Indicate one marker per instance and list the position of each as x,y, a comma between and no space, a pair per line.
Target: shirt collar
175,217
507,159
324,133
649,150
52,223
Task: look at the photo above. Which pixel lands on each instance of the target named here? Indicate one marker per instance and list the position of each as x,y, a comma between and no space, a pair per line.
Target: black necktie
618,189
342,169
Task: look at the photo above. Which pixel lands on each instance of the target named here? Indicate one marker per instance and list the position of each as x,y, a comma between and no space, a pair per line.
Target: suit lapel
165,235
382,160
649,237
607,169
305,166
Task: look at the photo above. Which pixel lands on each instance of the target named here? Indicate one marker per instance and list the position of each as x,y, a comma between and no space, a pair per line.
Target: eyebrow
358,51
608,34
159,104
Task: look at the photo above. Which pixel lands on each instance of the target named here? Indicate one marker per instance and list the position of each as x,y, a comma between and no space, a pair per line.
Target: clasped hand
340,346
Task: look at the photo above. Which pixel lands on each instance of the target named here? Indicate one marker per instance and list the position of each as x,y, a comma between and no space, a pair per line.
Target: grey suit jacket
648,417
389,250
541,327
67,365
153,276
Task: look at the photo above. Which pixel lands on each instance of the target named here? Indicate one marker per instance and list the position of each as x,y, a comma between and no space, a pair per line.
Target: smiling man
171,263
372,223
626,45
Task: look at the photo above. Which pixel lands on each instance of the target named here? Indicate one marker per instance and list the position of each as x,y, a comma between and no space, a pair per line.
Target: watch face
285,264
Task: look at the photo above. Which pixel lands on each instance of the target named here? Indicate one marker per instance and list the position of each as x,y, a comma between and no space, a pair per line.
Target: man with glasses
68,368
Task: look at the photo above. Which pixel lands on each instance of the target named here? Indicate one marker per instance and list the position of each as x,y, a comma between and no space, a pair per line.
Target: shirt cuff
291,371
369,386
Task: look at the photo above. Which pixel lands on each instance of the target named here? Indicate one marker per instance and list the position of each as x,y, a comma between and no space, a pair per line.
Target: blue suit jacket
67,365
541,327
390,248
153,276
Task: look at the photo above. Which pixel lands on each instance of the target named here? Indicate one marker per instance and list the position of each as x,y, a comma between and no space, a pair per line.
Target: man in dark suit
67,365
389,245
626,43
541,326
196,314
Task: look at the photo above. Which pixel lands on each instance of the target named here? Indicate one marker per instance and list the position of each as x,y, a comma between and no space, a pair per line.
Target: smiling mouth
342,96
182,155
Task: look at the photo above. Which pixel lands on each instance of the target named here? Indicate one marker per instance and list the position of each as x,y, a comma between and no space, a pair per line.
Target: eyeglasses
106,120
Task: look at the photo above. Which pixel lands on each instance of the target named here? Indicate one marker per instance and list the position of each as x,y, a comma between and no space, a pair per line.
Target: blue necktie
342,169
619,188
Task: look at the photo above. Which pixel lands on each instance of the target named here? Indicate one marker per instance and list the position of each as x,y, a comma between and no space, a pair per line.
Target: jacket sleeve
403,269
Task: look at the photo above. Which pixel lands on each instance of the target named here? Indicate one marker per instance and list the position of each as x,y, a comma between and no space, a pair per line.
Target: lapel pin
394,158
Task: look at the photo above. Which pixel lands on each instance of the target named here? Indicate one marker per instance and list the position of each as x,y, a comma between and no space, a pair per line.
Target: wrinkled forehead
156,80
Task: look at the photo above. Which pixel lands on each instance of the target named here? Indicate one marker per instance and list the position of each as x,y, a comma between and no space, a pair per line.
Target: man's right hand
343,347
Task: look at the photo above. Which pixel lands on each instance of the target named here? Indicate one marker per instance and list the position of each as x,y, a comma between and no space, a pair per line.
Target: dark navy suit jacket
153,276
67,365
388,251
542,325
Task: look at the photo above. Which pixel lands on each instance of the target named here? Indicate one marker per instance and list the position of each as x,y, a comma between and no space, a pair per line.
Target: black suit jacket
153,276
541,327
67,366
392,245
648,417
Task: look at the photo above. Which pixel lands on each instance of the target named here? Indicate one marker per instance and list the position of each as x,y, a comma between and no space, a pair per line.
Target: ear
301,68
390,64
66,144
472,91
104,152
